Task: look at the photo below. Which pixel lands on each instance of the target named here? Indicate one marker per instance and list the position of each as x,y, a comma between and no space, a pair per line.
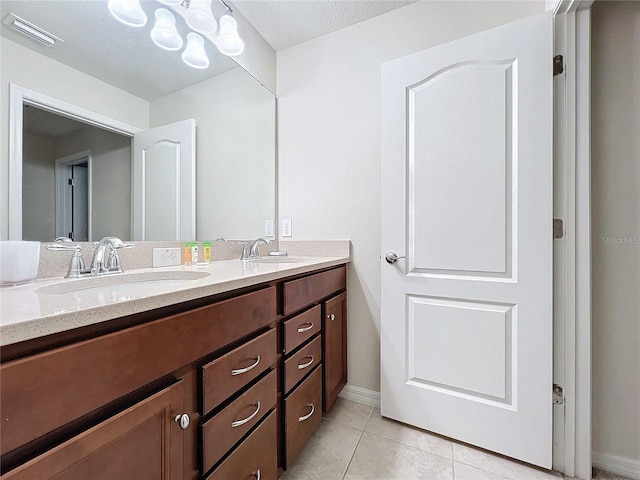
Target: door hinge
558,395
70,182
558,65
558,228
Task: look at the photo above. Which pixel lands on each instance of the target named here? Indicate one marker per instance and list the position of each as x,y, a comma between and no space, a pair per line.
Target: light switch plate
268,228
166,257
286,227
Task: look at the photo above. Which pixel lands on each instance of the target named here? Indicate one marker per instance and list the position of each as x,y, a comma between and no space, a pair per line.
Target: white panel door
467,199
164,182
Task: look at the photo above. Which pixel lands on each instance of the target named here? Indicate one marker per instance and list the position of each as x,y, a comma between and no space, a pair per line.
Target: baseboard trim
627,467
361,395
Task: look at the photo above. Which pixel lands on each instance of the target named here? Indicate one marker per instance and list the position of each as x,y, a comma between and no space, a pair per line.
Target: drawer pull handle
305,329
257,474
331,316
245,370
305,365
306,417
238,423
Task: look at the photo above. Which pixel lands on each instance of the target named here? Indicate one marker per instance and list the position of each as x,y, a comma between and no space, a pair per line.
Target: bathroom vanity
229,382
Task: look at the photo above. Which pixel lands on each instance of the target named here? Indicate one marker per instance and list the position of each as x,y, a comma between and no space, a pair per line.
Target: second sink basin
69,286
278,259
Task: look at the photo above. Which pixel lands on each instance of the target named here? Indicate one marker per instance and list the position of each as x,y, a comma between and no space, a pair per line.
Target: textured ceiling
47,123
290,22
95,43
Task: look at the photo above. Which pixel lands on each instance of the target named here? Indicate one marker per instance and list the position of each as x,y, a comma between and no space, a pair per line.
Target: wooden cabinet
255,457
334,338
222,431
227,374
252,371
143,442
303,414
314,356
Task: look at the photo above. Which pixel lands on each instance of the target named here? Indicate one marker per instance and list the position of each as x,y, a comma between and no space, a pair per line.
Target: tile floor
354,442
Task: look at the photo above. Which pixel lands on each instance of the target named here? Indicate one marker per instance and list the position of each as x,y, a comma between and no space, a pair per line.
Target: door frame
572,285
62,168
19,96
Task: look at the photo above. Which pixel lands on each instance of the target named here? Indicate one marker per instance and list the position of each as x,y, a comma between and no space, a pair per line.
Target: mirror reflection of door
73,204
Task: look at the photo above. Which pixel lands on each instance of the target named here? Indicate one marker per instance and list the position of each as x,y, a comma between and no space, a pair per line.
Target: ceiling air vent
30,30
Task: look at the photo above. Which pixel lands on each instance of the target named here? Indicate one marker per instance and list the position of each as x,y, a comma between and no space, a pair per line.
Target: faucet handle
76,265
62,247
246,248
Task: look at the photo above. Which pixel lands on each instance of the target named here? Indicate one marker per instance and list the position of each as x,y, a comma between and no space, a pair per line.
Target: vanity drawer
221,432
257,453
229,373
303,414
36,389
300,328
307,290
301,363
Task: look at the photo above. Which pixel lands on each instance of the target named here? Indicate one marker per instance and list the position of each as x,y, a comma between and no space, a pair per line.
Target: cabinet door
142,442
334,338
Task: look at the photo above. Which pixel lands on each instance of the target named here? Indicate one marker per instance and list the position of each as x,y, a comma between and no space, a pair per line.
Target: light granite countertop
28,311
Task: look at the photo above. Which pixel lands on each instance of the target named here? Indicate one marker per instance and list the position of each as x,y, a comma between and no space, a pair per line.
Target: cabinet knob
182,420
331,316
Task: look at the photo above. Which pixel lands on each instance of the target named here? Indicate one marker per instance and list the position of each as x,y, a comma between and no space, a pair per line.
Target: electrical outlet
286,227
268,228
166,257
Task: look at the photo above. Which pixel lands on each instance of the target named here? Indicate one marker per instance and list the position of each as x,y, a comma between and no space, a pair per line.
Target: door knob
182,420
392,257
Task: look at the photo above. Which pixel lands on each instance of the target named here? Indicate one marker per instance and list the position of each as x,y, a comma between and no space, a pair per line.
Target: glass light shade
171,3
200,18
194,55
164,33
228,41
128,12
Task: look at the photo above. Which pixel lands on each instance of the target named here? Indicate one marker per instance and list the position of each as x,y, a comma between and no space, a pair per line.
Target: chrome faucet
255,247
251,250
77,267
98,266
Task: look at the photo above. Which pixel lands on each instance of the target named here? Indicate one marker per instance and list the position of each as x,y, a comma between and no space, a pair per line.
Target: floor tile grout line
352,455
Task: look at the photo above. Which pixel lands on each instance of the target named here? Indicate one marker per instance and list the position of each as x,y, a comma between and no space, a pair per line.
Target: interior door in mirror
164,182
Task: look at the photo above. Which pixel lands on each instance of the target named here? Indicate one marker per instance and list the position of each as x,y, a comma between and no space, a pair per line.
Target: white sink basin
276,259
150,278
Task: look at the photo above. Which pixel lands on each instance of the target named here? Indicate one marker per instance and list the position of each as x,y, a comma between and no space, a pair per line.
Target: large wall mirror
140,87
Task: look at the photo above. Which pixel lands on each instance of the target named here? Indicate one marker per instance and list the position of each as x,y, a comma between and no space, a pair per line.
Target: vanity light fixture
198,17
229,42
194,55
128,12
164,33
30,30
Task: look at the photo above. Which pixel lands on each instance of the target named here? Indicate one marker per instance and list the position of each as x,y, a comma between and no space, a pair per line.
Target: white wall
615,189
235,151
38,186
34,71
329,141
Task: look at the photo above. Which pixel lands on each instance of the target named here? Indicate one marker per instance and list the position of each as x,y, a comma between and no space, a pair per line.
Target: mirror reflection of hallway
48,137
